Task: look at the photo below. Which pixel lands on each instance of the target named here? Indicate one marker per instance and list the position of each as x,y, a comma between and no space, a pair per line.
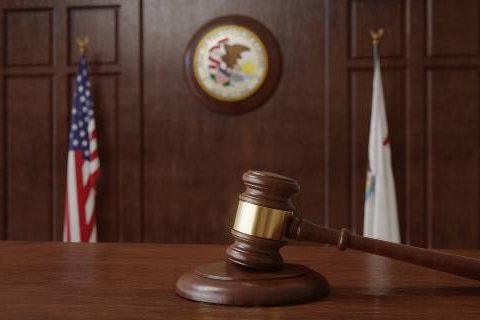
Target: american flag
83,166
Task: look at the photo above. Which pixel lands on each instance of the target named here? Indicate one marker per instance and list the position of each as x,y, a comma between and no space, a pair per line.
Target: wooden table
136,281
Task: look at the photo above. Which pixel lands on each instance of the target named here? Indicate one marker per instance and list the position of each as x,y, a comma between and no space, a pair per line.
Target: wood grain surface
137,281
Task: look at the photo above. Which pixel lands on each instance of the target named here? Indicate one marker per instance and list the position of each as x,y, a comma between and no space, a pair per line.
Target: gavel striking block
255,274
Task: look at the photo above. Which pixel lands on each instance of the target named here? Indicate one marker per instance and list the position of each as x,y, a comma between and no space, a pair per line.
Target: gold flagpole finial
376,35
82,43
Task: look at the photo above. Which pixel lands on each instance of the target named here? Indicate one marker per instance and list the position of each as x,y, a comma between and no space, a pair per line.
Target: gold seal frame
253,97
202,44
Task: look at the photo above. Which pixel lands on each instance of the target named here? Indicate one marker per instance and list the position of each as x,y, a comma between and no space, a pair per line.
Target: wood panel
337,105
366,15
453,28
453,157
451,101
194,158
35,25
105,94
415,119
171,169
29,157
100,23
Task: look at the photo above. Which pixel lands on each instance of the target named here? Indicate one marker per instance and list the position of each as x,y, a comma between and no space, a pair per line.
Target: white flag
381,218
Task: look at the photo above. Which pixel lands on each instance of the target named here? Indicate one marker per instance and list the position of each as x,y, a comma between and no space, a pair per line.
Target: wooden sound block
227,283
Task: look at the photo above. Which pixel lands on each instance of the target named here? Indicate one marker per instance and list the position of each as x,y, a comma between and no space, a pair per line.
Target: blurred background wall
171,169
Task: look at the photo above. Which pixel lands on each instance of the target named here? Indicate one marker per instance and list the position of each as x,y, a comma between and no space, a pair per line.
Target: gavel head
264,212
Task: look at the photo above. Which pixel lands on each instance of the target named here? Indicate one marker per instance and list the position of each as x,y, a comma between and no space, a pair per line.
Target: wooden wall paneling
26,29
360,96
100,23
295,139
453,123
171,171
179,135
29,157
366,15
61,115
194,158
3,144
451,91
27,97
105,93
339,121
453,28
415,138
130,122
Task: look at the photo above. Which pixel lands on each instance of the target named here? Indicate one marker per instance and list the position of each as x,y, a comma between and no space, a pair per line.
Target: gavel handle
300,229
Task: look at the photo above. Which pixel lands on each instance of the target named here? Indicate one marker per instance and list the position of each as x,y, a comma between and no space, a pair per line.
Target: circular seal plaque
233,64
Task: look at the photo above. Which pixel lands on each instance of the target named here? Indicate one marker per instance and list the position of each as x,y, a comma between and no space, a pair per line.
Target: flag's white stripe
72,199
89,168
94,165
93,235
93,145
91,125
90,205
85,172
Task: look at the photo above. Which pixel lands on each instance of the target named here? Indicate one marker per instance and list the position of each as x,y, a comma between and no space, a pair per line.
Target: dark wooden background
171,169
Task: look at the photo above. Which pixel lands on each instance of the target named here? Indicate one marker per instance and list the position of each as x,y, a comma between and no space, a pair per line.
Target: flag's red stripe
92,180
83,191
386,141
90,185
80,195
90,225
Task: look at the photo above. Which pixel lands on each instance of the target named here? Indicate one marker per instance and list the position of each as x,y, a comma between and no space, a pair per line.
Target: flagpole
376,36
82,43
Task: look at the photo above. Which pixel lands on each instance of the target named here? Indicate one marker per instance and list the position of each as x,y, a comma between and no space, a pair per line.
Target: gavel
255,274
266,220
